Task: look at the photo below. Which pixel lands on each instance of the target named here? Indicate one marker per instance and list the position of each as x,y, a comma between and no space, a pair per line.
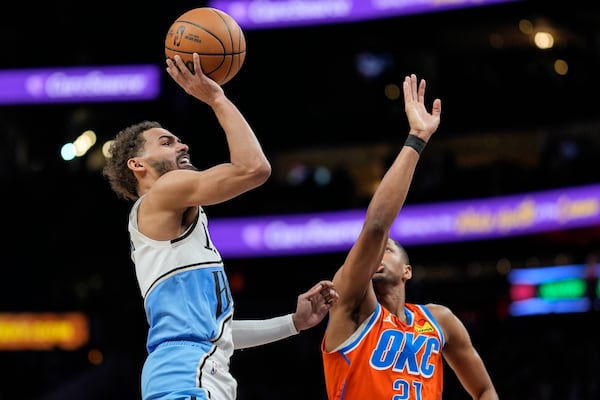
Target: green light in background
565,289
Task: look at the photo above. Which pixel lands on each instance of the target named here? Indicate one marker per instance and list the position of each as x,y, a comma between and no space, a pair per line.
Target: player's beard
164,166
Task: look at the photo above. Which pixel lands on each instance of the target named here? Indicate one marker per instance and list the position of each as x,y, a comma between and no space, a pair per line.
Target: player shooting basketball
187,299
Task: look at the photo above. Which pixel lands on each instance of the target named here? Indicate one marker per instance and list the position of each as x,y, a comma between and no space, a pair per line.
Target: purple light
477,219
79,84
259,14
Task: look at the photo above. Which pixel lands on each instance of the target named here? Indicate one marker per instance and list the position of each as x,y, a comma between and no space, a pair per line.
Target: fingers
323,290
413,86
320,286
329,294
409,86
406,90
413,89
315,289
416,92
331,297
328,291
437,108
171,67
312,294
197,66
421,92
325,284
176,68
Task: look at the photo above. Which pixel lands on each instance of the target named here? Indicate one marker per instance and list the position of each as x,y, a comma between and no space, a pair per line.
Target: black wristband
416,143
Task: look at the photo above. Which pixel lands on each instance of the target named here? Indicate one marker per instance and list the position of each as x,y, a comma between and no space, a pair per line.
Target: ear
134,164
408,271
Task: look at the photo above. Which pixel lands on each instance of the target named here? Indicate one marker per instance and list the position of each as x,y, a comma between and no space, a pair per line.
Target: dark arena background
519,84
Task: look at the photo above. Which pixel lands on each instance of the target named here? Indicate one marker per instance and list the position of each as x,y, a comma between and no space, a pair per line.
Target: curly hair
128,143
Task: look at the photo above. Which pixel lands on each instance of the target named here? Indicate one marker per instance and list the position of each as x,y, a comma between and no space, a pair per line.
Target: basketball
215,36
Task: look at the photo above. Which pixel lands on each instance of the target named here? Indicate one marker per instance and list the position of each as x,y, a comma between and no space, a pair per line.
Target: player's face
164,152
393,267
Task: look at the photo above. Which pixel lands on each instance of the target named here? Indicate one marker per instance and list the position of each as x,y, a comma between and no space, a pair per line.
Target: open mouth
184,161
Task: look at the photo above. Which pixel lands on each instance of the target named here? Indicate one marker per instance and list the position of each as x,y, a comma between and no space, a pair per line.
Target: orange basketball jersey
386,359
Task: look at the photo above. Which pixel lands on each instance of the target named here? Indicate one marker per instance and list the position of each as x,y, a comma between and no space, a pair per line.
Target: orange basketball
214,35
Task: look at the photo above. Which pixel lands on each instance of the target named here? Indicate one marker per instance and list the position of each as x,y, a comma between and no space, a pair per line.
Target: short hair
128,143
403,252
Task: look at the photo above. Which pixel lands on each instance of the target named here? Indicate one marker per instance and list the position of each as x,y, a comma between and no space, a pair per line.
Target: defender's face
393,266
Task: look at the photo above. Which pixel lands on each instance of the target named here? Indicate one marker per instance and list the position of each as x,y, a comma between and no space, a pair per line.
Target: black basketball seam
237,53
227,77
239,60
